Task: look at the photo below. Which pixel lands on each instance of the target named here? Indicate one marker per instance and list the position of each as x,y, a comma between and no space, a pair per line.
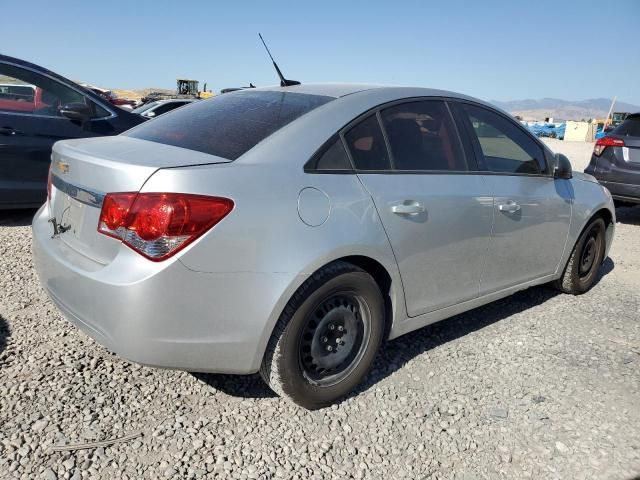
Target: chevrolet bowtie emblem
62,167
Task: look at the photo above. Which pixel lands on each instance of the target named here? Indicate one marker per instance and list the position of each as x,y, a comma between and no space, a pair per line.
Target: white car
154,109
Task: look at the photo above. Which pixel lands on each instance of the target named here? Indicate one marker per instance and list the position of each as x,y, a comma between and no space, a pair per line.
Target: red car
112,97
22,98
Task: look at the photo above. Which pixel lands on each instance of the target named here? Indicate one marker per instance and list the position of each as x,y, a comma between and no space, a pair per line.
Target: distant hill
563,109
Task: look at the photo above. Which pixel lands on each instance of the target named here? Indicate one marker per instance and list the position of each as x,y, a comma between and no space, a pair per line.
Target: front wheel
582,268
327,337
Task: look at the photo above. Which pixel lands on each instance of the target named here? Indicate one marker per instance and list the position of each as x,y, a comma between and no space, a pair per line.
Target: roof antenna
283,81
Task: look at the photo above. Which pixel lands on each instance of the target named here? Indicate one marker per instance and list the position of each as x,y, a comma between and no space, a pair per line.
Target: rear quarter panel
264,233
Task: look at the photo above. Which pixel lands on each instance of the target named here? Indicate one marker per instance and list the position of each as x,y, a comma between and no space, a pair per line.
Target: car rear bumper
160,313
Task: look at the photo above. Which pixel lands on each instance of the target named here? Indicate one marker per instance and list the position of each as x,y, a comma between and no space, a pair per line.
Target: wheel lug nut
329,348
340,328
338,341
324,339
331,326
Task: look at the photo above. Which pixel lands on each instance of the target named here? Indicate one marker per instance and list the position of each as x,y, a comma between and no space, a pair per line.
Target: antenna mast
283,81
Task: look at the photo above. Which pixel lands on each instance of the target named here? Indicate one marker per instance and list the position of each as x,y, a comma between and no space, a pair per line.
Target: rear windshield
230,124
629,128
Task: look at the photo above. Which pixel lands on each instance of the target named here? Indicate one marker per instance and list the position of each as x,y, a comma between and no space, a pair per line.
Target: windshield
228,125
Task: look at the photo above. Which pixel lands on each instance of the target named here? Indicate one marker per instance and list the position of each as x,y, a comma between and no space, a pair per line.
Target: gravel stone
538,385
49,475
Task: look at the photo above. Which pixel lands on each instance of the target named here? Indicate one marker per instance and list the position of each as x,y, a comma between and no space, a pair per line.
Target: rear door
436,210
532,209
30,123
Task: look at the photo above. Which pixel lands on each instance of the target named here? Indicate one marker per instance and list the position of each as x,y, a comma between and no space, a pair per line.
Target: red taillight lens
158,225
605,142
115,209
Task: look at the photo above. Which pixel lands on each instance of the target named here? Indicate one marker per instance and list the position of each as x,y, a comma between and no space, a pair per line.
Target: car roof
338,90
388,92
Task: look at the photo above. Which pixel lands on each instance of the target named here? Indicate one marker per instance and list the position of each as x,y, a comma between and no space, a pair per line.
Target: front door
532,209
436,213
30,123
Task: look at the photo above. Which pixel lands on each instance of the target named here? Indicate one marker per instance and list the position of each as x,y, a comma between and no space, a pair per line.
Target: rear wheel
327,337
587,256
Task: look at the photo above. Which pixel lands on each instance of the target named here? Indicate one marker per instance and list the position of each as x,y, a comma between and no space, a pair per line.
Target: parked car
111,97
615,161
38,108
291,230
153,109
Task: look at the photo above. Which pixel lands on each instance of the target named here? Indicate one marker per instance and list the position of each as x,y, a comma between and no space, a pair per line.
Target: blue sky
500,50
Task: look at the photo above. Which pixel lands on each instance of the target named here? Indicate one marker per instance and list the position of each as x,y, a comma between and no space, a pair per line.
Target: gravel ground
539,385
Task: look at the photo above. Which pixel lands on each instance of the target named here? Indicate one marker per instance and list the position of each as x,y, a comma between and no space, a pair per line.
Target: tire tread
269,370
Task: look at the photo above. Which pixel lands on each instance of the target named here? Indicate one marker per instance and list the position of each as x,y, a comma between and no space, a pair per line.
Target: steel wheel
590,252
582,267
335,337
327,336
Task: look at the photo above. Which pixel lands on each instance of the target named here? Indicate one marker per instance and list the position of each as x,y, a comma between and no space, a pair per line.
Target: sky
494,50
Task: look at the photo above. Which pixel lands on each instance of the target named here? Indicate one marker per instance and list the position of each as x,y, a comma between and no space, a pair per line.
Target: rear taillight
605,142
157,225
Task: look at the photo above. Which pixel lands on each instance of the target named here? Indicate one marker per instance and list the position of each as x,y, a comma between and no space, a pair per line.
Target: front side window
422,137
505,147
366,144
25,91
229,125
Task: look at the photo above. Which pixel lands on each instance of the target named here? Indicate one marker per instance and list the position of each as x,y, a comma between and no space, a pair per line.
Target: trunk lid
631,150
83,171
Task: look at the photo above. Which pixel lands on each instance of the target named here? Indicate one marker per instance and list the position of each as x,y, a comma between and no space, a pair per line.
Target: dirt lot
540,385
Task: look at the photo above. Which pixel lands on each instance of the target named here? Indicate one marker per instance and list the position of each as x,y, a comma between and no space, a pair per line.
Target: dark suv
616,161
38,108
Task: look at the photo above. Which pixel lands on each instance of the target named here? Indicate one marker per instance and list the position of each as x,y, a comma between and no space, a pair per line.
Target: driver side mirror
563,167
78,112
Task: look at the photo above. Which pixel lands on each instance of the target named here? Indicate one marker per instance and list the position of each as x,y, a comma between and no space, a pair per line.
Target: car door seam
566,240
490,240
395,258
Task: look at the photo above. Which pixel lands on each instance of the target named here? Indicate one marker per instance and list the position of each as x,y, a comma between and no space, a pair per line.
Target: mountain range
559,109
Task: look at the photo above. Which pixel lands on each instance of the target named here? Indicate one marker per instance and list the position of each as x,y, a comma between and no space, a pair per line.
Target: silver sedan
291,230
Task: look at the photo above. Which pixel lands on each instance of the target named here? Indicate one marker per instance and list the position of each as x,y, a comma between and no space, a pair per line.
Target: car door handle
509,207
408,208
9,131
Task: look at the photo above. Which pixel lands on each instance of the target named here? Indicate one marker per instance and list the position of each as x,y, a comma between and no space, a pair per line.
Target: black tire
588,254
334,320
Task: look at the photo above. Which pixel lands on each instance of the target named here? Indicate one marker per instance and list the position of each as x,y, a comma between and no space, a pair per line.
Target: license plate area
76,212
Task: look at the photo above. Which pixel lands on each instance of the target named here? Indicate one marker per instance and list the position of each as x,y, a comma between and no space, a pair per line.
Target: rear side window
331,158
422,137
228,125
505,147
629,128
366,145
